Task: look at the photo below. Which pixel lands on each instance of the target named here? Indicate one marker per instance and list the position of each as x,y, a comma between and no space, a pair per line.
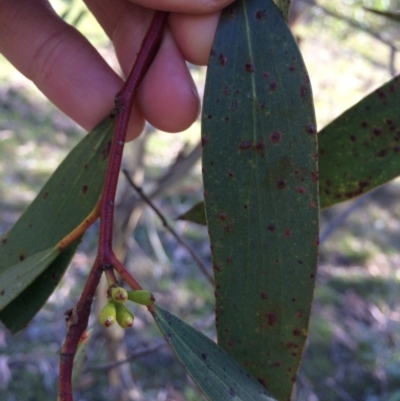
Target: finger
168,82
60,61
185,6
194,35
168,96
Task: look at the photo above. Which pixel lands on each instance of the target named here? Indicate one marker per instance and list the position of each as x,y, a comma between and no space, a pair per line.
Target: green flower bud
142,297
108,314
124,316
119,294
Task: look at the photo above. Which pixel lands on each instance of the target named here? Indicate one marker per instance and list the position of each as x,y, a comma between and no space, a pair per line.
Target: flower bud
119,294
142,297
124,316
108,314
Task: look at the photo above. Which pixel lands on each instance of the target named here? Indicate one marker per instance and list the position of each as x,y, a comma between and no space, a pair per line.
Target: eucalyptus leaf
360,149
261,191
218,375
16,278
21,310
63,203
195,214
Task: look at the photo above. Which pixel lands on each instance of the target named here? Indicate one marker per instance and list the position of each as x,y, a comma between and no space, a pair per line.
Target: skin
72,74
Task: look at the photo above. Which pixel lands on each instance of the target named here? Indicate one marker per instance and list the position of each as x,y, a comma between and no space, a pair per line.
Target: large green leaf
260,180
66,199
360,149
363,143
218,375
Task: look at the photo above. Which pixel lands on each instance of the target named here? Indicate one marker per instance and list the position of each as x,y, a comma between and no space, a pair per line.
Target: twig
133,355
353,23
341,218
193,254
77,318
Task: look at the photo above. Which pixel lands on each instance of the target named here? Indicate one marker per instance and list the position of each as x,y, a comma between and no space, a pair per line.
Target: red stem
77,318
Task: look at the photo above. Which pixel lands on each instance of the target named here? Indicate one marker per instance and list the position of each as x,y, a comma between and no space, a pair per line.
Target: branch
77,318
192,253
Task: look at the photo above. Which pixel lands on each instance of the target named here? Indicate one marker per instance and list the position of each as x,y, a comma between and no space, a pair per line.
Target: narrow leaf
395,16
360,149
66,199
284,7
218,375
260,180
16,278
195,215
18,313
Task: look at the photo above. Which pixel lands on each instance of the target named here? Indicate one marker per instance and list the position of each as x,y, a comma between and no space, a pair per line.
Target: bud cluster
115,309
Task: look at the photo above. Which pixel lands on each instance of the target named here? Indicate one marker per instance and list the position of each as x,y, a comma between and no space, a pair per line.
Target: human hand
72,74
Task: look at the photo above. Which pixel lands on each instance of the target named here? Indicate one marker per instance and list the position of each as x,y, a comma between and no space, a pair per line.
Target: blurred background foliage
353,351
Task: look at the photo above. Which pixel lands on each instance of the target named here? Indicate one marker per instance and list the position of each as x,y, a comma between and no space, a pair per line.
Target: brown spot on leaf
271,227
231,174
225,91
223,216
21,257
222,59
245,145
303,91
260,14
85,189
281,184
315,176
271,318
288,233
204,140
249,67
217,267
260,145
276,137
106,150
301,190
310,129
273,85
228,228
264,295
382,153
45,195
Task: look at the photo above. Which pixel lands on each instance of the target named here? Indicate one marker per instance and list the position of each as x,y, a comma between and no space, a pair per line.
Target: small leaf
283,6
218,375
64,202
360,149
196,214
16,278
395,16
